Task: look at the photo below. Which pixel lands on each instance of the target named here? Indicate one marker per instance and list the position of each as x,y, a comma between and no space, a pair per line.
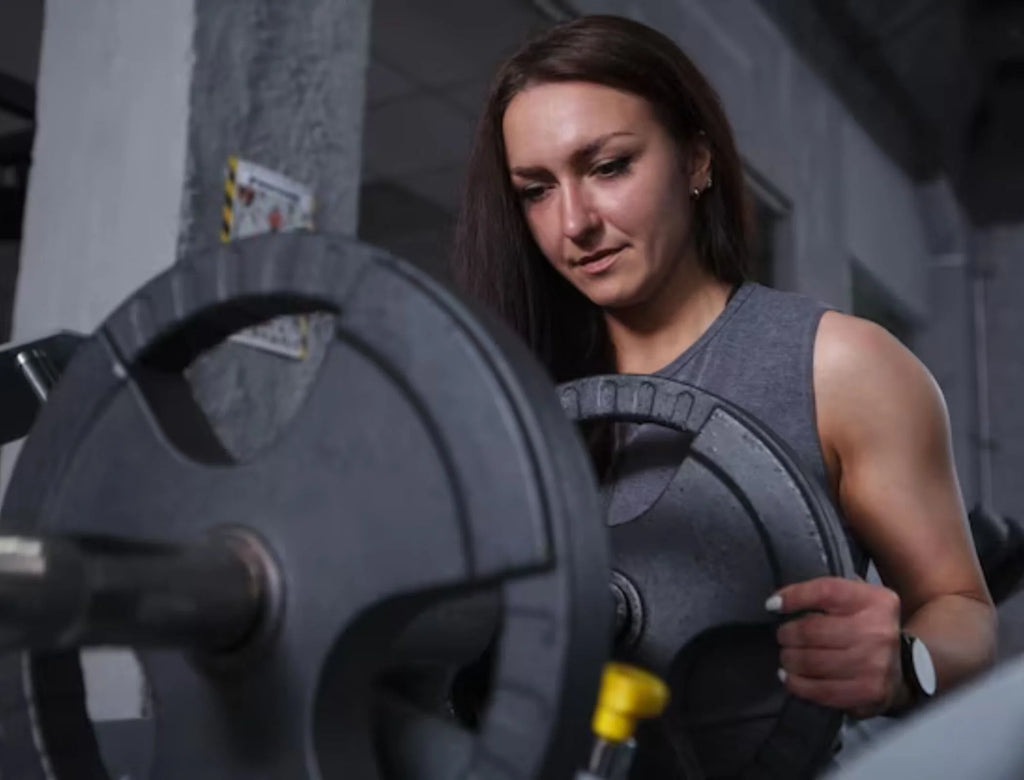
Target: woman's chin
613,299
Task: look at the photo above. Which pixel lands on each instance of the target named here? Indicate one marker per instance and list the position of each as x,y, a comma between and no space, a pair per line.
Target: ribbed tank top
759,354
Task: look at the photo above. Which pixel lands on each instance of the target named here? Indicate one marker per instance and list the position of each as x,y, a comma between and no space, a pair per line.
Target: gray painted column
140,106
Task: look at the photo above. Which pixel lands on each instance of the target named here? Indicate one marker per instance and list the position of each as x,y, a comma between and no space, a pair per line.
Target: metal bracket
28,372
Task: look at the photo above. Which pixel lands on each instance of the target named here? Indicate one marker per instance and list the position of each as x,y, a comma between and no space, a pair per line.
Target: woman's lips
601,261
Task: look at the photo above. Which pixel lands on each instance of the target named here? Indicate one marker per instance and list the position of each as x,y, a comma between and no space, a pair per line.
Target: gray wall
1001,252
946,336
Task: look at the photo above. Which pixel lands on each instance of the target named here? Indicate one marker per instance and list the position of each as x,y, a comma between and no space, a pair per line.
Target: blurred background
881,139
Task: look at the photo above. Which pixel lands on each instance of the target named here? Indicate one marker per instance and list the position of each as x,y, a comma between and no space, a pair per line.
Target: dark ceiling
939,84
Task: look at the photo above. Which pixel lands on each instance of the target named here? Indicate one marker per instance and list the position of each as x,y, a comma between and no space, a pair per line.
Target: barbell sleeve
65,592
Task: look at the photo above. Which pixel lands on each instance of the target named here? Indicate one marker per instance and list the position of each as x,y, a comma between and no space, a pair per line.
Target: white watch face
924,669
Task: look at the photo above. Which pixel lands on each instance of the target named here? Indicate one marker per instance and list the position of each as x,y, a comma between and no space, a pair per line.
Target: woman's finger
823,631
821,664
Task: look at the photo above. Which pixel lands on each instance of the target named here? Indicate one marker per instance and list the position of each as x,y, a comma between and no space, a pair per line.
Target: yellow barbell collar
628,694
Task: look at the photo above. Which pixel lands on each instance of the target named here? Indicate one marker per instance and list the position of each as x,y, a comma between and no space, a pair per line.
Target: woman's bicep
882,415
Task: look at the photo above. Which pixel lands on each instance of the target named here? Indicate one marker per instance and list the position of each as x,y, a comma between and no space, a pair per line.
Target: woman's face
603,188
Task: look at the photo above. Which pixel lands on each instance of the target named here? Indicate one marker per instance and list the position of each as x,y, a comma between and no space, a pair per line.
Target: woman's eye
532,193
613,167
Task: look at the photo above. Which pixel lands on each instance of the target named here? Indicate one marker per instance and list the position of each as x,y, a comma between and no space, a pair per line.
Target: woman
604,219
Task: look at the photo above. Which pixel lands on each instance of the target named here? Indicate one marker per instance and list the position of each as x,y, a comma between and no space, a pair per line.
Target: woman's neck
647,337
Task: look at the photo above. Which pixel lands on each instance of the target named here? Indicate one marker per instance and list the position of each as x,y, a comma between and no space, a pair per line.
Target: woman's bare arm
885,429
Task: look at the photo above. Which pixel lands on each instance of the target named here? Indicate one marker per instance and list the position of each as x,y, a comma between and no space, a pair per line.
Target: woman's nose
579,217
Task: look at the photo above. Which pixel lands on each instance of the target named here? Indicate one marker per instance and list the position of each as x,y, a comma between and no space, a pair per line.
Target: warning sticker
258,200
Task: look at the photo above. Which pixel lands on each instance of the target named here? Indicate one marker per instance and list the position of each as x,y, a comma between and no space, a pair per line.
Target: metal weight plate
737,521
429,461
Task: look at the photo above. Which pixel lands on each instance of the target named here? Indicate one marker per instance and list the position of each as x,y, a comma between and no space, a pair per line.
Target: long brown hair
495,258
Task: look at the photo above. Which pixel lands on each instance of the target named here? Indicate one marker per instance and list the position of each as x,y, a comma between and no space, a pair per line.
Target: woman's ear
699,168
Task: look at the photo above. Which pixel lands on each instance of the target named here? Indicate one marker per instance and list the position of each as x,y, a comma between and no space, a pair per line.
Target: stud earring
695,193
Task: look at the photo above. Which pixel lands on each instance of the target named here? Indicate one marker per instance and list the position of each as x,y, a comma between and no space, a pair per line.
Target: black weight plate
429,460
737,521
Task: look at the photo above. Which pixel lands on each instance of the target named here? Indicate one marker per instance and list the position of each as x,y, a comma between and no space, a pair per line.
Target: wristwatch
918,669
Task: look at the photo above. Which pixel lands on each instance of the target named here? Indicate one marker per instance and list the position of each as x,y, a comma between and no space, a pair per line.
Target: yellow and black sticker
227,216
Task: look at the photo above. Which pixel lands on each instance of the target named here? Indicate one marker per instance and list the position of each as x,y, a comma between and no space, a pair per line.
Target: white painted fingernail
774,603
782,675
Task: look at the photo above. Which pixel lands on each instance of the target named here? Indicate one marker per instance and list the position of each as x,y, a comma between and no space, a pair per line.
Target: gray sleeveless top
758,353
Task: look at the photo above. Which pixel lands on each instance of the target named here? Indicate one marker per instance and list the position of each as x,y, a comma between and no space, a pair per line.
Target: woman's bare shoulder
875,399
860,361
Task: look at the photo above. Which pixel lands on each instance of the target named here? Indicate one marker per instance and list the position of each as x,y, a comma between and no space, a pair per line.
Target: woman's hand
846,653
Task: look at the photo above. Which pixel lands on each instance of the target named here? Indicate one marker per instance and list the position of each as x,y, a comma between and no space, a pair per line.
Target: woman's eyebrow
581,155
